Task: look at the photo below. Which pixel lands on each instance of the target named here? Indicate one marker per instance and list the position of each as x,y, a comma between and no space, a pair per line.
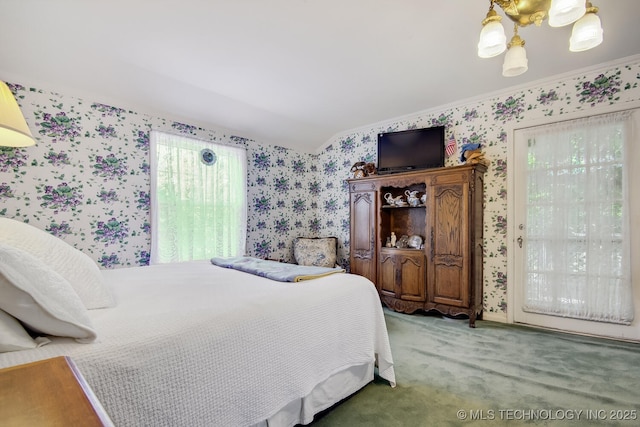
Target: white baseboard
494,317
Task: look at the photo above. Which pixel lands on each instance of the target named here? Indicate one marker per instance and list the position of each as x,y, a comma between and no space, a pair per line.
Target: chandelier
586,34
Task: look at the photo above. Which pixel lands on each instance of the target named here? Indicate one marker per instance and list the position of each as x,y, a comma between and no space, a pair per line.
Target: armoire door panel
363,234
387,279
363,239
413,278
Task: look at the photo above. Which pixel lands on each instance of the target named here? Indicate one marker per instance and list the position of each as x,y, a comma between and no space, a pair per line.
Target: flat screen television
412,149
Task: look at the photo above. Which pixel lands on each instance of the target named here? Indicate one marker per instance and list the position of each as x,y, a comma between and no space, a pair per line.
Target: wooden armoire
445,272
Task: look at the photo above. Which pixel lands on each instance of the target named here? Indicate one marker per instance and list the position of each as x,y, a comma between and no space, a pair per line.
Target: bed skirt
323,396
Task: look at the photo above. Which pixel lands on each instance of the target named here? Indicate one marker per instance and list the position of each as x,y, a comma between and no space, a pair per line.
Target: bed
200,345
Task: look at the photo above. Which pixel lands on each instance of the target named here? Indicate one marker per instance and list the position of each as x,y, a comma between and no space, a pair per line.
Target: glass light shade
586,34
515,62
565,12
493,41
14,131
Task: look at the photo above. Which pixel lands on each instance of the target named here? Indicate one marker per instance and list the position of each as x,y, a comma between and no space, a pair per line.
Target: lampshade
492,38
493,41
565,12
14,131
586,34
515,61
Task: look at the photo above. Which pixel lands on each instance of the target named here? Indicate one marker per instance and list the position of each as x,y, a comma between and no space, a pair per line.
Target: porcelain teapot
394,201
412,197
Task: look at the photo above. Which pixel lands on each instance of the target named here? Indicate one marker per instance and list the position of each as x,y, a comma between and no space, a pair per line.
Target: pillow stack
45,285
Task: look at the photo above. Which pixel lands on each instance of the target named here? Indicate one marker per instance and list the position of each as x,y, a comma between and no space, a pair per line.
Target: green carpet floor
451,375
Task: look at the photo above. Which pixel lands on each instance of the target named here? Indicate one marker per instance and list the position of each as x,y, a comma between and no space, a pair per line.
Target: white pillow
13,337
77,268
40,298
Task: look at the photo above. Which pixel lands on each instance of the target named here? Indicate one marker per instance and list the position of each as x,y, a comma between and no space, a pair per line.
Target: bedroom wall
87,179
484,121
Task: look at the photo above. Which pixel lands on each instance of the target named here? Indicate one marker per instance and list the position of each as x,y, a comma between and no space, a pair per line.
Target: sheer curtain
198,199
577,245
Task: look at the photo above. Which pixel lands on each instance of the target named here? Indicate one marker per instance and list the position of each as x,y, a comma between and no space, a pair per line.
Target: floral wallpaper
87,178
485,122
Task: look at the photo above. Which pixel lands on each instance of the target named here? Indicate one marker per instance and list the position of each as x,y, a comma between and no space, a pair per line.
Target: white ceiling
287,72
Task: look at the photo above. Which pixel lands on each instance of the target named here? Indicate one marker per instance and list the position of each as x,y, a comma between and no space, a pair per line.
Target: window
198,199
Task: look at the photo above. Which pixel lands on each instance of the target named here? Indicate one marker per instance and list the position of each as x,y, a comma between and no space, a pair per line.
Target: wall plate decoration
208,157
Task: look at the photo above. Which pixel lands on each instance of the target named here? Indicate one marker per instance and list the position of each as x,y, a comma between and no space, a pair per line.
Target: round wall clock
208,157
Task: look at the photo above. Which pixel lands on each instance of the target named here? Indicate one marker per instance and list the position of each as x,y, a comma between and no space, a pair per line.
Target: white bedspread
198,345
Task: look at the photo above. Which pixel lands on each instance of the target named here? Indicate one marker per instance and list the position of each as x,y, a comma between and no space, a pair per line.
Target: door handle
432,250
520,239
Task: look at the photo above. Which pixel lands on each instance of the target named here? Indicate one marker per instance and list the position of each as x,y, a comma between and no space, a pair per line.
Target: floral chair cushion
317,251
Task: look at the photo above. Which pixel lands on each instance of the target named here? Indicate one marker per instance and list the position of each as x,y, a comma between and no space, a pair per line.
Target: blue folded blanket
275,270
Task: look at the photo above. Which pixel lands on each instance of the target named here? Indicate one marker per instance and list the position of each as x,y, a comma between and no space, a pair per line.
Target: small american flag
451,145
